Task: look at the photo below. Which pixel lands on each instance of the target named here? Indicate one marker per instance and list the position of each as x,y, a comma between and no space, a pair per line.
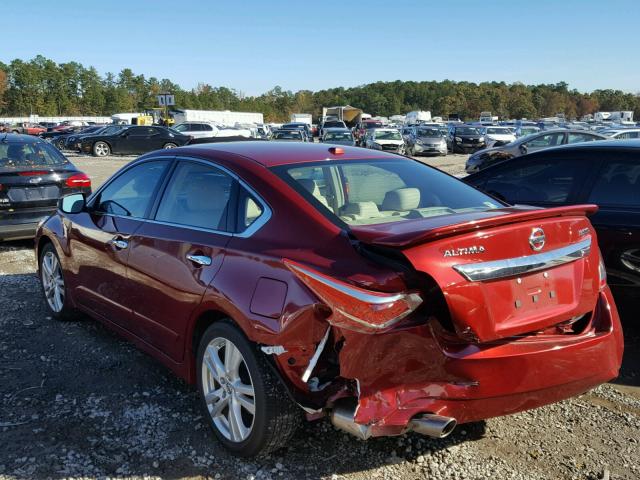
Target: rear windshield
282,134
338,136
15,154
370,192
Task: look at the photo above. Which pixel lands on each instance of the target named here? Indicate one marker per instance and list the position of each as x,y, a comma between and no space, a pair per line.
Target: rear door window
580,137
618,185
538,180
198,196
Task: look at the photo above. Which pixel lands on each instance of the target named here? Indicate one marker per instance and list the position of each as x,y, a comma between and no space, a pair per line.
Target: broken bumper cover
495,379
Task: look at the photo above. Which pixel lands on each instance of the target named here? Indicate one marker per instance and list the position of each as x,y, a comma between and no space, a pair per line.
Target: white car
498,136
208,130
387,139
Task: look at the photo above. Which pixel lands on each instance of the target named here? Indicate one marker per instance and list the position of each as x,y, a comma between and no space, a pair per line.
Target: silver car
530,143
426,140
338,136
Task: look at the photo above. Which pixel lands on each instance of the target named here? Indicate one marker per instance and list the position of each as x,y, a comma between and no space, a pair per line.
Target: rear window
15,154
382,191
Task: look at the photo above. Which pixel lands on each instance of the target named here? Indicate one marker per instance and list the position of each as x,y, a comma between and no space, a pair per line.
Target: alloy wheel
101,149
52,281
228,389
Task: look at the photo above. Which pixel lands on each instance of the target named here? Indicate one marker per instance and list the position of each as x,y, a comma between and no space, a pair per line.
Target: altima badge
537,239
458,252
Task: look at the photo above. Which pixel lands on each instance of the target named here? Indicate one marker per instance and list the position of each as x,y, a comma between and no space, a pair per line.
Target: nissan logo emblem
536,239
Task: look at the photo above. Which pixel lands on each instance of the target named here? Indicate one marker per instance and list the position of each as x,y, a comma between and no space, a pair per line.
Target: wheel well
41,244
204,321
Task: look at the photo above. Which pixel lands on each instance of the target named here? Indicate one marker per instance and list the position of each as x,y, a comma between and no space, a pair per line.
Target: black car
61,141
51,135
464,139
132,141
306,128
33,176
73,141
605,173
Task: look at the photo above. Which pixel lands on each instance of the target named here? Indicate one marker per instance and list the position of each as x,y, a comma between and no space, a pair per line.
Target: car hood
389,142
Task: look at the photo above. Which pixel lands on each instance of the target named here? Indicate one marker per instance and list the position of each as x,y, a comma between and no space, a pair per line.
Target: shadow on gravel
630,319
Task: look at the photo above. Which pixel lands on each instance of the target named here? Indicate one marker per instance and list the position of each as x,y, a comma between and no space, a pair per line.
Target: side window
538,180
130,193
547,140
617,184
206,127
579,138
198,196
249,210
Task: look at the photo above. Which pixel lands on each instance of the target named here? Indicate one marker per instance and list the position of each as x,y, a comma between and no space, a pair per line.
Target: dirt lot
77,401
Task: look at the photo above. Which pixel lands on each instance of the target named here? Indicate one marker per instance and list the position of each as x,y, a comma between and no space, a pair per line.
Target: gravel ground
77,401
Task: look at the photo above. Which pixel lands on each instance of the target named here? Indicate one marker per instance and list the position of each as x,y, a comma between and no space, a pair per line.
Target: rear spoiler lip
409,239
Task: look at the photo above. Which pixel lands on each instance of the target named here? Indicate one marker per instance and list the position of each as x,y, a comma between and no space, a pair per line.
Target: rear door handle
119,243
201,260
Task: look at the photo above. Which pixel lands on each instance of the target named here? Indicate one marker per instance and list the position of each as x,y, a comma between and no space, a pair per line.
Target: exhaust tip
343,417
435,426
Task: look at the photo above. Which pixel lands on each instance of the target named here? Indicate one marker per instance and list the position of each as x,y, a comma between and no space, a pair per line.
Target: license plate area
33,194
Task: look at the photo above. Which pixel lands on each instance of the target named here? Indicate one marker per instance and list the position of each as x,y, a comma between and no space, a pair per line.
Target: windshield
287,134
430,132
467,131
32,154
369,125
338,136
369,192
388,135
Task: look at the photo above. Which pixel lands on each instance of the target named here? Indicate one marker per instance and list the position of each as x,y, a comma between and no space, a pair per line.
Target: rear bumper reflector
509,267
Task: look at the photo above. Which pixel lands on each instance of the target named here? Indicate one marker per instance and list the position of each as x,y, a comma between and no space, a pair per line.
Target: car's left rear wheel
246,404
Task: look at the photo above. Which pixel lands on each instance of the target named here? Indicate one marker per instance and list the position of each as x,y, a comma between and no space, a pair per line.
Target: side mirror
73,203
523,149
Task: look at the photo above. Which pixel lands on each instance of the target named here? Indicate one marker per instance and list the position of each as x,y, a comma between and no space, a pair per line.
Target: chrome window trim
509,267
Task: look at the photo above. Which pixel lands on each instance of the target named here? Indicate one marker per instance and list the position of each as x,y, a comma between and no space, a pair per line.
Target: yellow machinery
154,116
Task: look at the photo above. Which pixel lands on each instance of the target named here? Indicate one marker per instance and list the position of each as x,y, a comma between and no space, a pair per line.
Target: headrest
310,186
361,209
402,199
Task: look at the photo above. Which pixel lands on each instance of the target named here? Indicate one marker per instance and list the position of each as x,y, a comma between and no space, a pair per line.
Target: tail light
79,180
34,173
355,308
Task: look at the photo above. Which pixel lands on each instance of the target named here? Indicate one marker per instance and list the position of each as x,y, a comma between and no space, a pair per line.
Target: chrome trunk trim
509,267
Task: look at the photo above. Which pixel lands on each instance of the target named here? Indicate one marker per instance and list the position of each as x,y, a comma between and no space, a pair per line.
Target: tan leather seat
311,186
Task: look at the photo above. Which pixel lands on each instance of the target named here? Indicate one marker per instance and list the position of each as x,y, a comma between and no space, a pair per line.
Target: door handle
119,243
201,260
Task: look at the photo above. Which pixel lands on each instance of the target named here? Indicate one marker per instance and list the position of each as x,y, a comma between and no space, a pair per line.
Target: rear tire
54,285
233,379
169,145
101,149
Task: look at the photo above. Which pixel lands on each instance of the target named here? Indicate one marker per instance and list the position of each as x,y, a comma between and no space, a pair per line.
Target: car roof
271,154
629,145
18,138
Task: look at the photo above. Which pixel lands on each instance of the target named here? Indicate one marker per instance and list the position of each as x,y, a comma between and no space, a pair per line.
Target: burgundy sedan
301,280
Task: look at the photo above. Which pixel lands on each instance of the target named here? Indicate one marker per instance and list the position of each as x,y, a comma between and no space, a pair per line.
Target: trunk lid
498,277
31,187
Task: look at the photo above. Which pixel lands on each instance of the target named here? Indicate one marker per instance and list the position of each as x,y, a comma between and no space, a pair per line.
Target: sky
252,46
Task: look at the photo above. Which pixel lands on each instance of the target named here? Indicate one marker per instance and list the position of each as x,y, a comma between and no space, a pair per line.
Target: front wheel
247,406
169,145
101,149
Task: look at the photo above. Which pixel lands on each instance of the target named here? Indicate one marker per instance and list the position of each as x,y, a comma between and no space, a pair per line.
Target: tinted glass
130,193
30,154
141,132
547,140
374,192
537,180
618,184
579,138
197,196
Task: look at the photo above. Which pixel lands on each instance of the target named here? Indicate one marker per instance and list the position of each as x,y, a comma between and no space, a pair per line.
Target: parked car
622,133
338,136
73,141
333,123
361,128
132,141
270,275
289,136
426,140
497,136
387,139
524,130
27,128
207,129
528,144
603,173
464,139
33,176
304,127
61,142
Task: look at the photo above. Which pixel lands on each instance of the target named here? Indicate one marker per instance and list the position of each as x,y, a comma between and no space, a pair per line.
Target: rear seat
360,211
311,186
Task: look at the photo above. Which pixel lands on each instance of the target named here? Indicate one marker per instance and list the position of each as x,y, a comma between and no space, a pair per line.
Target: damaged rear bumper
471,382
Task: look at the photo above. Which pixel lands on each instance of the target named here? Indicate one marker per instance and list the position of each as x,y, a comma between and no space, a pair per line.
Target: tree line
44,87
